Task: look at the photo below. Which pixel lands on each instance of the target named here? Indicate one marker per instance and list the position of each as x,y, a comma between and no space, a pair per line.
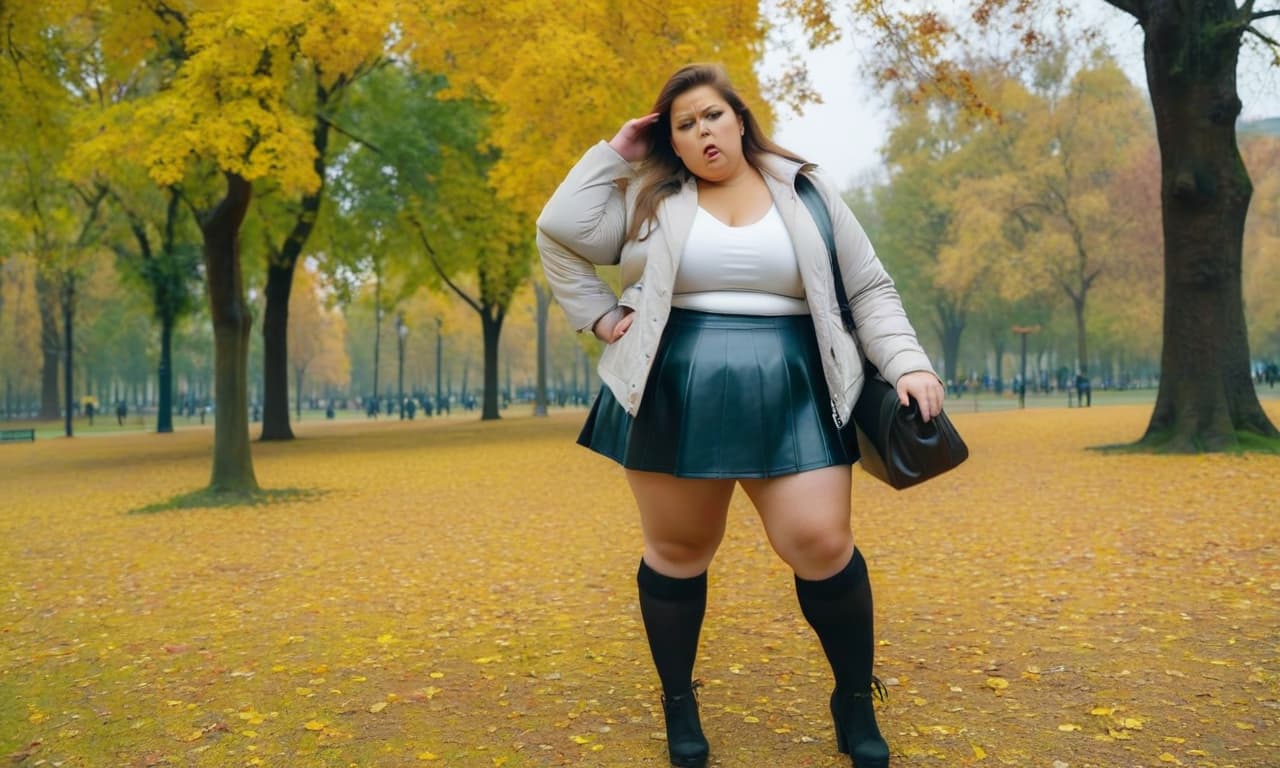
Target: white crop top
748,270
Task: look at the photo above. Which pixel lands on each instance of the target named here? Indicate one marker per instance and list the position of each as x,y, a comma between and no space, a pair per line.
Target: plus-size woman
726,362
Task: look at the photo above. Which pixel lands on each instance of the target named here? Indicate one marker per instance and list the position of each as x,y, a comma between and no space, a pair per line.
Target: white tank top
748,270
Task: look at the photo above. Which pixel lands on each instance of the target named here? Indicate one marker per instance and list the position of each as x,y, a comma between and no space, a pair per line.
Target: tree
583,55
470,219
419,170
1191,50
214,118
167,263
1061,146
58,220
916,219
19,334
1262,248
316,337
336,44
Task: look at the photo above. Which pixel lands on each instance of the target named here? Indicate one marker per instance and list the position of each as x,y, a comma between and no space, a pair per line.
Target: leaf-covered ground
463,594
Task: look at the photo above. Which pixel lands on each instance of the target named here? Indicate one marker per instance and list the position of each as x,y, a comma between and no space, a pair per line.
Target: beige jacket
584,224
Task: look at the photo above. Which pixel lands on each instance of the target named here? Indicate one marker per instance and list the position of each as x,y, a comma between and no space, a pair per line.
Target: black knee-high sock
672,610
839,609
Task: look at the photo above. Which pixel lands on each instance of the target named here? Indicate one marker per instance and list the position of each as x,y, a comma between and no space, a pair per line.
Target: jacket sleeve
584,225
884,332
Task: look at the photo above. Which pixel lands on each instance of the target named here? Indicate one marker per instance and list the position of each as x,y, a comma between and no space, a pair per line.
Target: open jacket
584,225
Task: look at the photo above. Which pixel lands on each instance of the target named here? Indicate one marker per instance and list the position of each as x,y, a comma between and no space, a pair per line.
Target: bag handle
822,217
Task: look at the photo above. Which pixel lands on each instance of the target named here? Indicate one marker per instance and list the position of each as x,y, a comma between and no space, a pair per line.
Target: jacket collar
783,169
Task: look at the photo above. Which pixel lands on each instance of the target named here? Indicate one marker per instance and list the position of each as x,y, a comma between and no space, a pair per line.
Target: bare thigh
682,518
806,517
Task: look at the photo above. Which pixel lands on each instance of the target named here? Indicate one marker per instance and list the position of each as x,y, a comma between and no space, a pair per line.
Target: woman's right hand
613,324
632,139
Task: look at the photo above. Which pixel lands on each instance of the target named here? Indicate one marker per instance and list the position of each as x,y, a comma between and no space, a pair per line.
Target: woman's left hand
925,388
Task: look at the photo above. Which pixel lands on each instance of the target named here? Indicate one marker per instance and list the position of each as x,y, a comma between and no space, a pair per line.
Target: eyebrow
705,109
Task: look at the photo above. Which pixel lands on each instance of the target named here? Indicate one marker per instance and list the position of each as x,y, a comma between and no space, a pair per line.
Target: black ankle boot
857,734
685,743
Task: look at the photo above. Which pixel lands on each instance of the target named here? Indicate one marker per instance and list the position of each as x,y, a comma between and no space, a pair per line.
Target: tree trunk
275,354
68,313
1206,392
543,296
232,323
297,381
275,323
491,321
1082,347
50,346
999,382
377,329
950,326
164,413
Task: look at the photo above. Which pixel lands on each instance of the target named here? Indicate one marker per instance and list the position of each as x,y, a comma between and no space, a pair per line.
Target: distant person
122,411
733,368
1084,391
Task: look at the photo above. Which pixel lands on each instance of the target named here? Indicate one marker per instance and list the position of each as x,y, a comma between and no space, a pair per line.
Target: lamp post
402,330
439,359
1024,331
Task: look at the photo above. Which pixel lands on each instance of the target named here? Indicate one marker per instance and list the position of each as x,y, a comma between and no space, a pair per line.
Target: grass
462,593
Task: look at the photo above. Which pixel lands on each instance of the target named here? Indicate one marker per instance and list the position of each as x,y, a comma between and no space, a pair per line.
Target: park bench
14,435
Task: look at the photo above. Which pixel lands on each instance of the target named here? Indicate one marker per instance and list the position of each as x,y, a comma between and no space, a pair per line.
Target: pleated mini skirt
728,396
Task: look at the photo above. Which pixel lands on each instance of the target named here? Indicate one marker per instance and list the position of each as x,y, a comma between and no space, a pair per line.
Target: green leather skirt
727,396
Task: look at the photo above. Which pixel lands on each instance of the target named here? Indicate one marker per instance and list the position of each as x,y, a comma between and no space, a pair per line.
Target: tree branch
1264,14
325,119
435,262
1271,41
1134,8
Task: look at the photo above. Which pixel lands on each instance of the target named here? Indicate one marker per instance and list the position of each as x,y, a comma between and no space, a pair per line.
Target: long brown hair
662,171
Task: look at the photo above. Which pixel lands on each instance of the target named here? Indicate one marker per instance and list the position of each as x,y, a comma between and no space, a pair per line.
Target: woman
727,363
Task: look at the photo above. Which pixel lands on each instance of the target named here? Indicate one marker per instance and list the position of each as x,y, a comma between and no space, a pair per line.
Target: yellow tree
1065,161
211,114
1191,51
565,76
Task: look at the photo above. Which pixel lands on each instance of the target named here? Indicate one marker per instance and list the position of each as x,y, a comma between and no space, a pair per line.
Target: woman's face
706,134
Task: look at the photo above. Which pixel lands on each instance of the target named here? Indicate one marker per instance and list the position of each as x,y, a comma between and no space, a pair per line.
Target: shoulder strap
822,217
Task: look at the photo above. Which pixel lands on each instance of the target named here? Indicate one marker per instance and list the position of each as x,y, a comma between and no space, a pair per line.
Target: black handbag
896,445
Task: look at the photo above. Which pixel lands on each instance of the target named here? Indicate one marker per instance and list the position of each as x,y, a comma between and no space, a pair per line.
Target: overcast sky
845,133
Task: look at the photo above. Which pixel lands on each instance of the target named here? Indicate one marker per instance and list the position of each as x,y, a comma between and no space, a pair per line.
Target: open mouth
711,152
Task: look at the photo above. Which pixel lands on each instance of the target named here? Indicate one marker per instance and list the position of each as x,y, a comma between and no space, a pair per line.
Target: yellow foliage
436,544
230,99
564,76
